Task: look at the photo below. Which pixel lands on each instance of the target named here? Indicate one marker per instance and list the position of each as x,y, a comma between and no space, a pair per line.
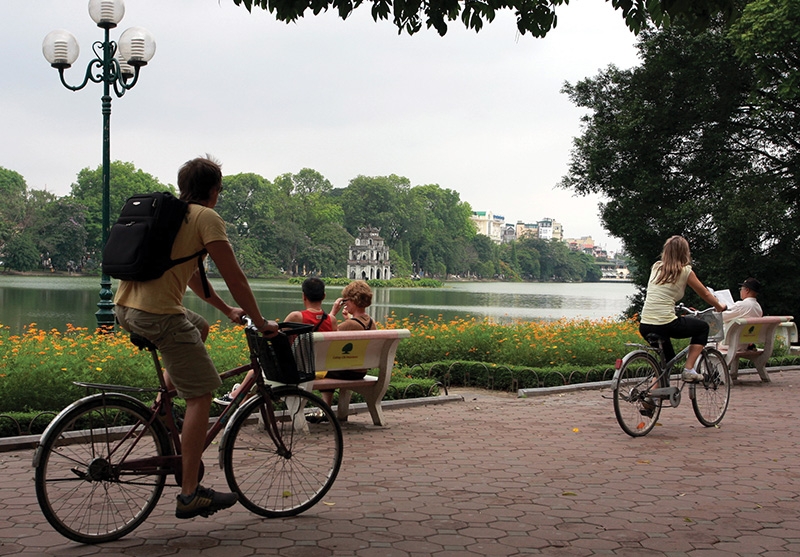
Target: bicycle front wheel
637,413
710,398
81,482
282,453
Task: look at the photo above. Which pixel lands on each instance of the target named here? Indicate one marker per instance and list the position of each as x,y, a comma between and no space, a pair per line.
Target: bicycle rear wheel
636,412
710,398
287,468
82,489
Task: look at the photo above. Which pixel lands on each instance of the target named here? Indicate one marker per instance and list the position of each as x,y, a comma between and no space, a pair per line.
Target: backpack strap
203,278
199,255
320,322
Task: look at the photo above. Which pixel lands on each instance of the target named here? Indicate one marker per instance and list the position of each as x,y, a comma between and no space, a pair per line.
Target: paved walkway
498,475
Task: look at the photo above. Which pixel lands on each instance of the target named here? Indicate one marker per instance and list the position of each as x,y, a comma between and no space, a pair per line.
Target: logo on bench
346,353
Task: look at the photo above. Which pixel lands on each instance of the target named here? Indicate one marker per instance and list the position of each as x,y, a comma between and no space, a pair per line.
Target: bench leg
343,405
376,411
761,367
733,366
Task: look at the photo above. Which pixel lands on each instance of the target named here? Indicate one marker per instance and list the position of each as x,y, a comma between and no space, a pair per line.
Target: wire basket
287,357
716,331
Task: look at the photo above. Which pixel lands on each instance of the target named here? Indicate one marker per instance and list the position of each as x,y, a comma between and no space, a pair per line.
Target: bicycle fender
48,430
223,443
627,357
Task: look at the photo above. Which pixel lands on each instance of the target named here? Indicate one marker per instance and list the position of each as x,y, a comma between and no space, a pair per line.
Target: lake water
52,302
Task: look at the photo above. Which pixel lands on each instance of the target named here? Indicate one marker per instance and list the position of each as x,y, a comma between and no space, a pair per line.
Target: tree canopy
536,17
702,140
295,224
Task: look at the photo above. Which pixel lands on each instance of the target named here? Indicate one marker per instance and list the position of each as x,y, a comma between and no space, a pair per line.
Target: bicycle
642,380
102,463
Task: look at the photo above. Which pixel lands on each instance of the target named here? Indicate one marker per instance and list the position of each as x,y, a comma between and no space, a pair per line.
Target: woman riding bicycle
665,288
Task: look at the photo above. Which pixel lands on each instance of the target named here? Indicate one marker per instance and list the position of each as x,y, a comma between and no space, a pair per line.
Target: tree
442,230
12,191
60,232
310,238
380,201
247,203
20,253
697,141
536,17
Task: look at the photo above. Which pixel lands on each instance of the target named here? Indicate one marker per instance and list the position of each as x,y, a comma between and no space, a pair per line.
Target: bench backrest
357,349
757,330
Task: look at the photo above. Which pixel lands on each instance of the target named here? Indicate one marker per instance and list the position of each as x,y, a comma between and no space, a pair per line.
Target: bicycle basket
714,320
288,357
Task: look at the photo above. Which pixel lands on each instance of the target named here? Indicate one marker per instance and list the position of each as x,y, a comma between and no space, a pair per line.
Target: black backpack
139,245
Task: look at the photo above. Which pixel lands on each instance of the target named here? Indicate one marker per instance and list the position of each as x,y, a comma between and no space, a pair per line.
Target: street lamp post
136,47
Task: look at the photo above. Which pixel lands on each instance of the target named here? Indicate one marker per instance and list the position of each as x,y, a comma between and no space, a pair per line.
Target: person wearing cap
748,306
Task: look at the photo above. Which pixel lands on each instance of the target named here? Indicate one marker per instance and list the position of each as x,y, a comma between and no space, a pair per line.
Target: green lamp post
116,66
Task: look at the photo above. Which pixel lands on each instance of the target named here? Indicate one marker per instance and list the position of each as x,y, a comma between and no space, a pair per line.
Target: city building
369,256
489,224
584,244
509,233
549,229
527,230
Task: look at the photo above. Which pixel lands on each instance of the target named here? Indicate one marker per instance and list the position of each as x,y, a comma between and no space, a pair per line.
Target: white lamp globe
137,46
60,48
106,13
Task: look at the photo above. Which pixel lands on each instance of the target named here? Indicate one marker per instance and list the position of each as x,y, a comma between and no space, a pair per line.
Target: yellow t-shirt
659,303
164,295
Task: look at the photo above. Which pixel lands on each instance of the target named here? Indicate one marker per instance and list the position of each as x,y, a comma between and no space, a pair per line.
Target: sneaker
648,408
316,416
204,502
226,399
691,376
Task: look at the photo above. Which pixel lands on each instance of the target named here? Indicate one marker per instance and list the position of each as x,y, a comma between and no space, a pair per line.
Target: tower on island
369,256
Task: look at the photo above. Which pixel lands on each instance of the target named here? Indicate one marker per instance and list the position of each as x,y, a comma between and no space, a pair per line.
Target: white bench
787,332
358,350
752,330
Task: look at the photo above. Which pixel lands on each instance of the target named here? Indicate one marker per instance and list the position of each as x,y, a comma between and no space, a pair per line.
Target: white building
369,256
489,224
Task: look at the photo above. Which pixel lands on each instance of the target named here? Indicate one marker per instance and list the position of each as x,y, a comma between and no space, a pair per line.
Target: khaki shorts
183,352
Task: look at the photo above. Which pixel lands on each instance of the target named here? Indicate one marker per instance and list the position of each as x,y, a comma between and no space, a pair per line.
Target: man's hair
314,289
359,293
198,177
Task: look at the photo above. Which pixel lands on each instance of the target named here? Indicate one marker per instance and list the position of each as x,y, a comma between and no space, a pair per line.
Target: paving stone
496,475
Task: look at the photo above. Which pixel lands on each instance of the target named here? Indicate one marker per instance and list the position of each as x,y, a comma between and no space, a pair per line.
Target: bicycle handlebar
685,310
286,327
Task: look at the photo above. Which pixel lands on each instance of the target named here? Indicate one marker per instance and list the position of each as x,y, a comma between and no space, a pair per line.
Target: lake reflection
52,302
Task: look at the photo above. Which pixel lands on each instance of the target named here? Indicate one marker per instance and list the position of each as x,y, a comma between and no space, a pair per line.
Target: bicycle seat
655,339
142,343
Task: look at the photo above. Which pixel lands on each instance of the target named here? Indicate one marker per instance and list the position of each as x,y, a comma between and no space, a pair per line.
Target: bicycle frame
162,410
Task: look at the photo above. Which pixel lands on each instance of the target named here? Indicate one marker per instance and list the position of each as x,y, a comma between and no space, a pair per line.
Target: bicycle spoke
78,484
636,413
284,481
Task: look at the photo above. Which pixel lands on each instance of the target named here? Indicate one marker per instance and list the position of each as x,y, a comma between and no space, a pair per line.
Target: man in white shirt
748,306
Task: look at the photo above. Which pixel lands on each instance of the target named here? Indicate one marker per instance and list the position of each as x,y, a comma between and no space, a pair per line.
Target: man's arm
222,254
196,284
695,284
736,310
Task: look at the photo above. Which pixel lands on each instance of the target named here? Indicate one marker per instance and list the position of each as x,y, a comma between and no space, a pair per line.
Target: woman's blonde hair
674,257
359,293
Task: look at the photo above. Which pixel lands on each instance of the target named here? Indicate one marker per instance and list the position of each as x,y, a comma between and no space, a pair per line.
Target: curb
8,444
524,393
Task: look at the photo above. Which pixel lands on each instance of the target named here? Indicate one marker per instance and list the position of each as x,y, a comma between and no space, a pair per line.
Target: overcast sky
481,114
